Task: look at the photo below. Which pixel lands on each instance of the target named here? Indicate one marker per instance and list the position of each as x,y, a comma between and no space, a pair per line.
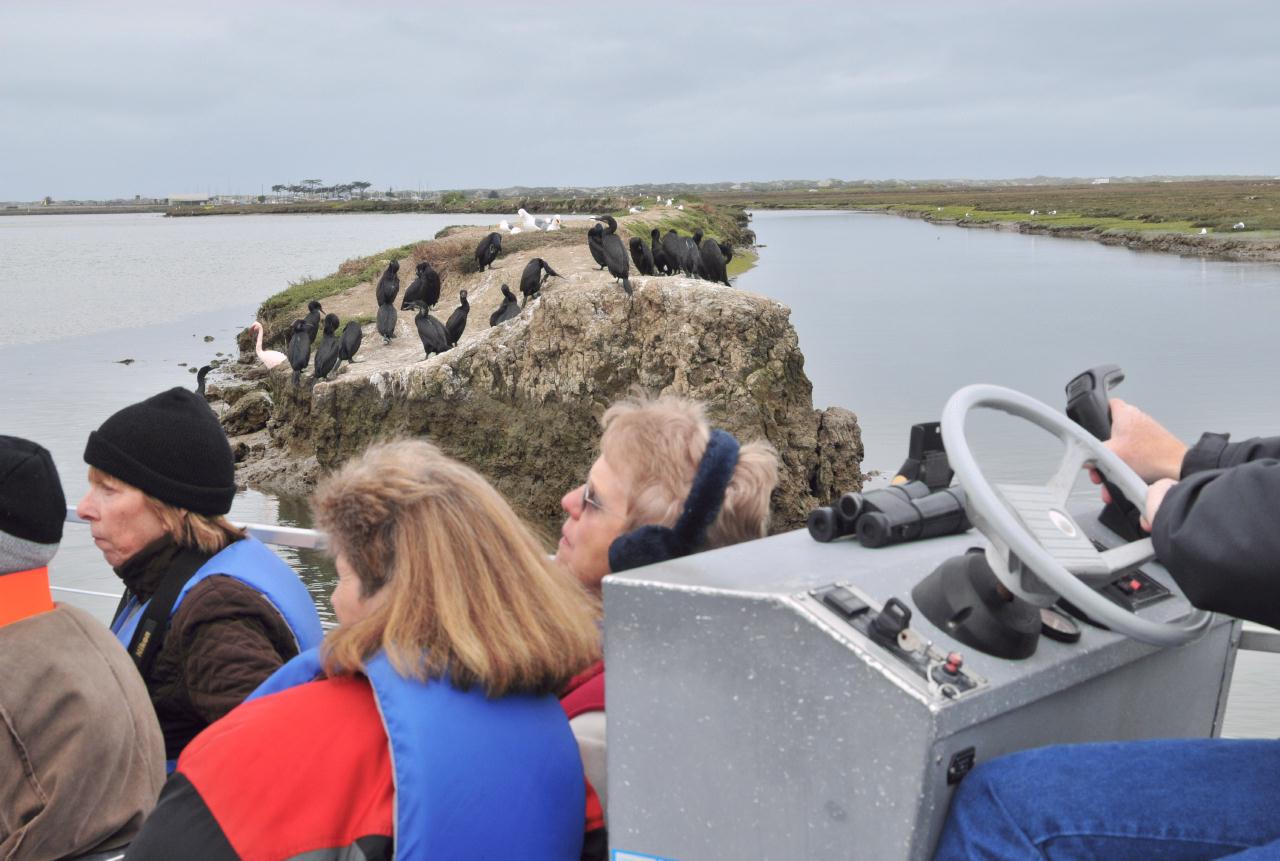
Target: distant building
176,199
1101,181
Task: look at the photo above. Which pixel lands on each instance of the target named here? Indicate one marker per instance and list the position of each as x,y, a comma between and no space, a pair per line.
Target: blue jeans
1177,799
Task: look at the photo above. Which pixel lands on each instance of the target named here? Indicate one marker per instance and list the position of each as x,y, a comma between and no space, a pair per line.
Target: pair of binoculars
892,515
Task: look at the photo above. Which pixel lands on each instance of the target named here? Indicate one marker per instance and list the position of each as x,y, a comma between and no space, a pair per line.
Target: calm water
893,315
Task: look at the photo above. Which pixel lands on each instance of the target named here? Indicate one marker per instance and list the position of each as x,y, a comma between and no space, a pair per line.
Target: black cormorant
387,322
508,309
388,284
299,349
616,256
352,335
691,257
414,291
641,256
535,274
673,248
488,250
727,250
430,331
660,262
314,313
200,375
425,288
327,349
457,321
595,243
713,262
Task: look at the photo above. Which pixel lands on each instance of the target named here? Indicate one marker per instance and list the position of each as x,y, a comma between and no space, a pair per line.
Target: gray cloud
158,98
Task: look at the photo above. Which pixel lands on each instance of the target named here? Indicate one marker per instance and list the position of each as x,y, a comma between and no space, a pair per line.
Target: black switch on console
844,602
892,620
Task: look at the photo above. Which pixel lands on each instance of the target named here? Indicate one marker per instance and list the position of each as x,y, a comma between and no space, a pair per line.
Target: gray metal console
754,713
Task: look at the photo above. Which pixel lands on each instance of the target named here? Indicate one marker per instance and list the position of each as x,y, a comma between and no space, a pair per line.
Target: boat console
790,699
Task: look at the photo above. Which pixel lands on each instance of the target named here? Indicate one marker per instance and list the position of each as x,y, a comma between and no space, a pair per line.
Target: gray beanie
32,506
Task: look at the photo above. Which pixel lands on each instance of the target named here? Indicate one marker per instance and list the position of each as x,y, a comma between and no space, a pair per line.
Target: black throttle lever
1087,406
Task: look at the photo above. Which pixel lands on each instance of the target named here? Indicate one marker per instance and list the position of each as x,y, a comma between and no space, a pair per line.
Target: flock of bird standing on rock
696,256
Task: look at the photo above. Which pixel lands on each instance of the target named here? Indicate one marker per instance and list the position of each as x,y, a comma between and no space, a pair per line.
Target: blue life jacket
475,777
252,563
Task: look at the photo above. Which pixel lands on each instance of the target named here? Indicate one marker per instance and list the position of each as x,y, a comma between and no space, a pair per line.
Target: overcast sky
102,100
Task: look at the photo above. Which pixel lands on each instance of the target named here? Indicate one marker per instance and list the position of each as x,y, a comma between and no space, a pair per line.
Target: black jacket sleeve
1218,533
1215,451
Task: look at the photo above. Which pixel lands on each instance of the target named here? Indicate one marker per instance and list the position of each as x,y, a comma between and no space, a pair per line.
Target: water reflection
315,567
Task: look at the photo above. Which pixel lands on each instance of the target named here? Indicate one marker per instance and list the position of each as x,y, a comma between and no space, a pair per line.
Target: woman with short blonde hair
666,484
426,726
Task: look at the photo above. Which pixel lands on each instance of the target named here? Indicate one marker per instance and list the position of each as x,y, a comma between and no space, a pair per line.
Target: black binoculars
892,515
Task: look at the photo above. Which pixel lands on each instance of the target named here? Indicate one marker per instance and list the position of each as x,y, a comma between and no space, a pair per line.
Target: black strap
148,637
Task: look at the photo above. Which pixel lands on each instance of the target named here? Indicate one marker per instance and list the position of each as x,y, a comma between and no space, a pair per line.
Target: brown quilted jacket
223,641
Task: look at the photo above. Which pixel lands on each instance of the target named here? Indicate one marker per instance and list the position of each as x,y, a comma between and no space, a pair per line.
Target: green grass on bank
1175,207
1057,220
351,273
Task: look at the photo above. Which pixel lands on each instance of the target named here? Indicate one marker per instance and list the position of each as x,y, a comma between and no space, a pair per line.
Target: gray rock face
521,402
249,413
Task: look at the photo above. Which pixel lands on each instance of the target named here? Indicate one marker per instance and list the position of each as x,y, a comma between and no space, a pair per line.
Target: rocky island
520,401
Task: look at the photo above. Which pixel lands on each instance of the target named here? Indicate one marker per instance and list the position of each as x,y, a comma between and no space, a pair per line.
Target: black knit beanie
170,447
32,507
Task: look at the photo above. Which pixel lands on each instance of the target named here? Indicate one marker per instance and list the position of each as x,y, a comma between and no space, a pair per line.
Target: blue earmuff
649,544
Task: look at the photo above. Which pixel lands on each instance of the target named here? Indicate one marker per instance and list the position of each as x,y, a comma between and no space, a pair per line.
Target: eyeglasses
588,498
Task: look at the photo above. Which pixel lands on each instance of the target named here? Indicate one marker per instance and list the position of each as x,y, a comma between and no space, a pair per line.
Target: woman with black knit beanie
208,612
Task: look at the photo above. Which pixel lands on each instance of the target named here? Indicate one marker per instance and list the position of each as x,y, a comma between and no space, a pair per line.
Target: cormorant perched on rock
314,312
533,277
299,349
691,258
487,250
673,248
595,243
414,291
352,335
430,331
713,262
727,250
615,255
641,256
425,287
200,375
508,309
270,358
387,322
388,284
327,349
697,237
457,321
660,262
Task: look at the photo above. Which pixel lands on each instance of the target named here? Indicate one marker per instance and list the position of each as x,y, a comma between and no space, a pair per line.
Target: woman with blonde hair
208,612
427,723
666,484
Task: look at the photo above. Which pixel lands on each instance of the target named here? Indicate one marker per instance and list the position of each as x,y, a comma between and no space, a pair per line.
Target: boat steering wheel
1037,550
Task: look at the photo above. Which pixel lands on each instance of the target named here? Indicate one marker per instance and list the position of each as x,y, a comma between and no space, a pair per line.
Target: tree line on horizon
316,186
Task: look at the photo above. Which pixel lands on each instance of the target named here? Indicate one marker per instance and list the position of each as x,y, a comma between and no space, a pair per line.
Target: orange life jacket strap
23,594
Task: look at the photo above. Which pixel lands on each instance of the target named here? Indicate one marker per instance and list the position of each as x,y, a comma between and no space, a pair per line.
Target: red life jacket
585,693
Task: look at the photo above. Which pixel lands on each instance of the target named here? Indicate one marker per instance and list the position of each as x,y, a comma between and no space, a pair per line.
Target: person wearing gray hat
208,612
81,754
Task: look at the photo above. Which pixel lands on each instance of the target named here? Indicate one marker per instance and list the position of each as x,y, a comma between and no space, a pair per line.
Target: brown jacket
223,641
81,756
